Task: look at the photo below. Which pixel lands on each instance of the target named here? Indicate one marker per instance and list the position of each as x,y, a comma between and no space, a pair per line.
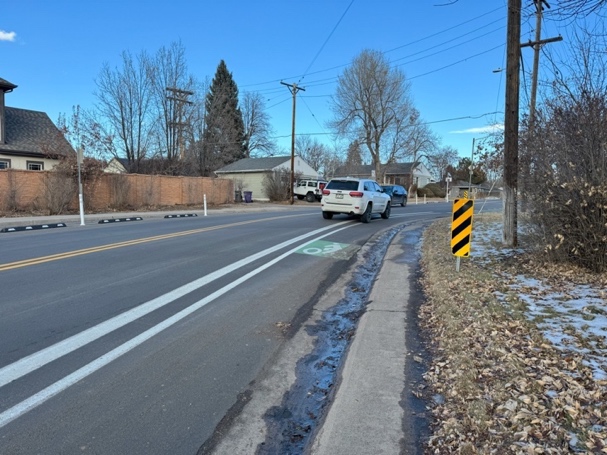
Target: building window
35,166
5,164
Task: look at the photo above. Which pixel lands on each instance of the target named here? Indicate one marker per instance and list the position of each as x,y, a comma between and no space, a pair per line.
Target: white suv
309,189
352,196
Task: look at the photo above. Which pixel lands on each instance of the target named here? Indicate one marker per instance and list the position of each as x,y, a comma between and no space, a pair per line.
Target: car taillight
356,194
326,192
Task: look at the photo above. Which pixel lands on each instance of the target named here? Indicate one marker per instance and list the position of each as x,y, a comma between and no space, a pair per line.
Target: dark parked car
397,193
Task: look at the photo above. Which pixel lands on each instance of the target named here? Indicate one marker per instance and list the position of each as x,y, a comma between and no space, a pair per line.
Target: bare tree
257,126
372,104
440,160
83,130
124,106
172,87
332,159
311,150
418,138
196,152
571,8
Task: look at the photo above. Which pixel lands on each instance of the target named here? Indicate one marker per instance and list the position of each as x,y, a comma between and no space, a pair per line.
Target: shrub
425,191
9,198
120,188
60,189
569,220
276,185
436,189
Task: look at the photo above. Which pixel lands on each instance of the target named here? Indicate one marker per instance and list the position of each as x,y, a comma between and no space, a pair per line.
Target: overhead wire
446,49
312,113
326,41
456,38
332,79
316,56
445,30
452,119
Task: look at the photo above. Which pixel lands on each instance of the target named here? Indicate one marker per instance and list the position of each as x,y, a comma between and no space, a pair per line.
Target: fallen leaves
505,388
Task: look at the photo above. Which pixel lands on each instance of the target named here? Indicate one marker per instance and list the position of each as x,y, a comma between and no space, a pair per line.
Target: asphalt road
139,337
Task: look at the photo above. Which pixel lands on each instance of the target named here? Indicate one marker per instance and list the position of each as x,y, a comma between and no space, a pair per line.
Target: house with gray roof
28,139
248,174
403,174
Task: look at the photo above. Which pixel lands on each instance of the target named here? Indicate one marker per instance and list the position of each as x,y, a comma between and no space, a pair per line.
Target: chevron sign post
461,228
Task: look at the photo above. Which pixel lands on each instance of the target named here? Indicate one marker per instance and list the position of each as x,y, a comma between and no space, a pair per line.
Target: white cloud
481,129
7,36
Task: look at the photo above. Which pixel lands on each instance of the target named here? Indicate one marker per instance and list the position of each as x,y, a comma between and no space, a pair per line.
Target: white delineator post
205,204
80,197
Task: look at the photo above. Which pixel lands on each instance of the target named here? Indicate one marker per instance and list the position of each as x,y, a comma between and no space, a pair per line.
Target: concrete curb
366,415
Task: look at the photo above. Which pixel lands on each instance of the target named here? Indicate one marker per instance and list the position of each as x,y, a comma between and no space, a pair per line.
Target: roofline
26,153
7,86
244,171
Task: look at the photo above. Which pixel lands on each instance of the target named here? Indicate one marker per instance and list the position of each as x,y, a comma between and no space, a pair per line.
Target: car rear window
347,185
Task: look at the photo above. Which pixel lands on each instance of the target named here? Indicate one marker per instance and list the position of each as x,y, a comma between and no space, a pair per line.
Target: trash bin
237,196
248,196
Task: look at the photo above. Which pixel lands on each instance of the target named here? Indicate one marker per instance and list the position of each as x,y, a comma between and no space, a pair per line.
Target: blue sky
54,49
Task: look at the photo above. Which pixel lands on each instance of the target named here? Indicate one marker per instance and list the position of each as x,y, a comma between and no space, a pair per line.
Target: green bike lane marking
333,250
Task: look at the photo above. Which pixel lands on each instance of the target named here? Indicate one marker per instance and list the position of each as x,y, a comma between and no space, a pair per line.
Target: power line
390,50
312,113
446,30
331,80
459,61
456,38
326,41
452,119
442,50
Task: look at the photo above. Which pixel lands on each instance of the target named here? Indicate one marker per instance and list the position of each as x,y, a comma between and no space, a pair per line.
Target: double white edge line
34,361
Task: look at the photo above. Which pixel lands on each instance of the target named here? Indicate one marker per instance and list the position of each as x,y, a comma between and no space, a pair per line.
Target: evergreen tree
224,127
354,154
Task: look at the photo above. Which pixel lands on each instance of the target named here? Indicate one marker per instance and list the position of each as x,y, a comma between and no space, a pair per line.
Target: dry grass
498,387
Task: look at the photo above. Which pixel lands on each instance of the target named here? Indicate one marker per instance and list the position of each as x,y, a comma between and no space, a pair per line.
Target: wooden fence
53,192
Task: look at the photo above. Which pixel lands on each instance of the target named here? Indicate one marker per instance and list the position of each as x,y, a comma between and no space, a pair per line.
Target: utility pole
293,88
537,46
511,122
177,99
536,59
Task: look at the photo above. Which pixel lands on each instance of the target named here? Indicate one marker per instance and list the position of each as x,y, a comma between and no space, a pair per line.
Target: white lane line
38,359
36,400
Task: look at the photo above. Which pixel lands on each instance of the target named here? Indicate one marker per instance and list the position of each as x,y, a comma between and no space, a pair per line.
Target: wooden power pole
537,45
293,88
511,122
177,100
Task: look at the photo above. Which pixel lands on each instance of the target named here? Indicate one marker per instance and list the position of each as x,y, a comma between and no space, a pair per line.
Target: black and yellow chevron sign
461,227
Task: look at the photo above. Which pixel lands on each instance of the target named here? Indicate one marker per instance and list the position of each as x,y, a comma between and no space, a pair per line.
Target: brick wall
25,190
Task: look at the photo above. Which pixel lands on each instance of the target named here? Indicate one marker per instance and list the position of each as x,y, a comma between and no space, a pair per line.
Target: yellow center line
111,246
